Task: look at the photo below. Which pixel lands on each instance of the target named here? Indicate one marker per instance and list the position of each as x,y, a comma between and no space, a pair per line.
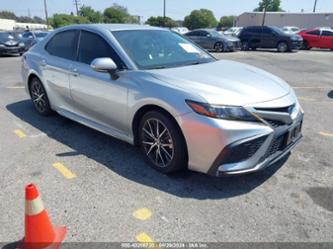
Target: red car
317,38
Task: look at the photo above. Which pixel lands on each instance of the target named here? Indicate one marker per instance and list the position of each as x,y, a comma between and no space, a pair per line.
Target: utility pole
46,15
164,13
315,6
264,17
77,3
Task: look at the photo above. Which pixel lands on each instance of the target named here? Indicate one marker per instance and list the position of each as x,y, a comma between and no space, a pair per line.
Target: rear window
314,32
63,45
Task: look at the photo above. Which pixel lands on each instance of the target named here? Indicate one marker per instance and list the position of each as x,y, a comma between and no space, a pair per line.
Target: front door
96,96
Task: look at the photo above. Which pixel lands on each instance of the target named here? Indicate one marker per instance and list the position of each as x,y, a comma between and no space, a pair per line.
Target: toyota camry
156,89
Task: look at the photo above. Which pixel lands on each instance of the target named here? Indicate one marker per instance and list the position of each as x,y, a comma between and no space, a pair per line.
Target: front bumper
234,46
222,147
12,50
296,45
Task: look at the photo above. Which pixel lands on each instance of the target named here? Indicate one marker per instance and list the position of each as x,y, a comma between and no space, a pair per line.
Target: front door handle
43,63
75,72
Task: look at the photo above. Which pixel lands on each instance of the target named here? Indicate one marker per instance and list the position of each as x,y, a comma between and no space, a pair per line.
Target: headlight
230,43
222,112
21,44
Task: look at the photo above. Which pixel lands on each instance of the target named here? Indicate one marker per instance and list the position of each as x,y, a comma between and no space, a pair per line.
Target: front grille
287,109
275,123
242,151
278,144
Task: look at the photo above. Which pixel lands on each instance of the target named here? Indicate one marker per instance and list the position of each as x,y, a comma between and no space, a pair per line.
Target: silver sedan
156,89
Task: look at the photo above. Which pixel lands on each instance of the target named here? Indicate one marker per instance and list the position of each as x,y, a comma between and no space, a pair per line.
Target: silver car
156,89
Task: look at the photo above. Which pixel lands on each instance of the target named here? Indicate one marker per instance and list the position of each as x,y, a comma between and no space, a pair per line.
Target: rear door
61,53
326,39
96,96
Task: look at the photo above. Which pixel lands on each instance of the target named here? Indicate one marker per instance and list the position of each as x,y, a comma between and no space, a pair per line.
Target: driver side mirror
209,35
105,65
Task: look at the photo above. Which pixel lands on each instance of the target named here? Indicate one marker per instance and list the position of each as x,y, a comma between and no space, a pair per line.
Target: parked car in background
213,40
269,37
180,30
10,44
291,29
317,38
156,89
234,31
30,38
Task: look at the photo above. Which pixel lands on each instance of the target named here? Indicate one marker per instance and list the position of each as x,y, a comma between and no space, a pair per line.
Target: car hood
225,82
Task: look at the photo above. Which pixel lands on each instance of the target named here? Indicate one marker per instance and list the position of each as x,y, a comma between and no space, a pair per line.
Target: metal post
315,6
264,17
46,15
164,14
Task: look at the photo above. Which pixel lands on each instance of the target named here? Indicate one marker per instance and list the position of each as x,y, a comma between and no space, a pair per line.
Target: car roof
113,27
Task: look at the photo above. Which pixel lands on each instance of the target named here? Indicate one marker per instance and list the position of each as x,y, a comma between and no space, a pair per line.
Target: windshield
6,35
277,30
151,49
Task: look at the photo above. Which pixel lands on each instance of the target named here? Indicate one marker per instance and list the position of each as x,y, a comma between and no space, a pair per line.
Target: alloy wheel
282,47
157,142
38,96
219,47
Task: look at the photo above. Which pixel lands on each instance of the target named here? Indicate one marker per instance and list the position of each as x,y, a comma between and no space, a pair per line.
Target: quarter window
63,45
93,46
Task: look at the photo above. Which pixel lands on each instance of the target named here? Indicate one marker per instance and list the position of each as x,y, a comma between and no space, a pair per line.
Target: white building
280,19
10,25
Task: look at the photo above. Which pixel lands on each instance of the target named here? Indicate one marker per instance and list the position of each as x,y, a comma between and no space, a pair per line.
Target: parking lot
102,190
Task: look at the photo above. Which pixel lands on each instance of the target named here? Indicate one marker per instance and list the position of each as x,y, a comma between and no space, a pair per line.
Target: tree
59,20
118,14
202,18
226,21
269,5
92,15
160,21
8,15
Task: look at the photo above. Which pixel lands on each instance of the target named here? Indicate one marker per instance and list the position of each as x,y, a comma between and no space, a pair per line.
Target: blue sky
176,9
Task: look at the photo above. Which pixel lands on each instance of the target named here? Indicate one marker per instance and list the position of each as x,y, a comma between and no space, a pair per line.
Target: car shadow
127,161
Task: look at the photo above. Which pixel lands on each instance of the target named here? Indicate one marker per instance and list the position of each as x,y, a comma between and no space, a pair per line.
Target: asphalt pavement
103,191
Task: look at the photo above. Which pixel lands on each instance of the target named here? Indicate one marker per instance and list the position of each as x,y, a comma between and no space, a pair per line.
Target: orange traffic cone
39,232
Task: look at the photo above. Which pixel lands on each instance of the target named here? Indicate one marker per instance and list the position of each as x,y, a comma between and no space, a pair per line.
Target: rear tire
282,47
162,142
39,97
306,45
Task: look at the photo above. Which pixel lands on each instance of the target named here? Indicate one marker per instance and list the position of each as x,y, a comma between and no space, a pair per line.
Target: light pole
46,15
315,6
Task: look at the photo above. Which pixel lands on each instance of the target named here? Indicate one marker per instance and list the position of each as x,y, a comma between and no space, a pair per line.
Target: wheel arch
141,112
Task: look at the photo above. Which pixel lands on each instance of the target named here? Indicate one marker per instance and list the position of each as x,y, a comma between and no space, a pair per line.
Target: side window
255,30
314,32
204,33
63,45
327,33
194,33
93,46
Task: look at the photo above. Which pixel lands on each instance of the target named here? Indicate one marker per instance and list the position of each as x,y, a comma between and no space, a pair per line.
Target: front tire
39,97
219,47
282,47
162,142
